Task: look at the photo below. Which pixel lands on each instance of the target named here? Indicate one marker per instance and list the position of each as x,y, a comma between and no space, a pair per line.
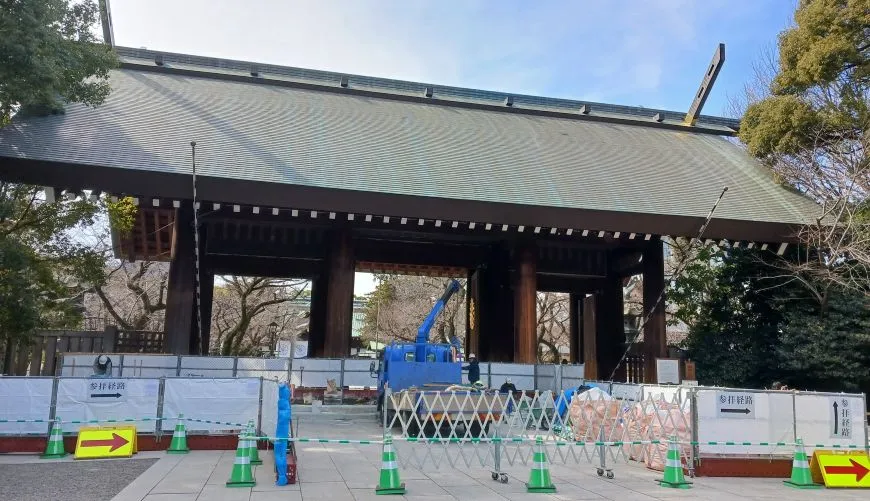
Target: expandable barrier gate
466,429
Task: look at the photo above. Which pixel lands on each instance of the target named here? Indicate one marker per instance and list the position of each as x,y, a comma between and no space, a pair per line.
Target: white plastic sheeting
668,393
356,373
313,372
149,366
772,421
211,367
25,398
83,365
816,423
269,419
268,368
235,400
623,391
522,375
139,401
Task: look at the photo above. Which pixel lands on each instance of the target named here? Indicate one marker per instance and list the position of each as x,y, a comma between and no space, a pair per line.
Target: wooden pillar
525,306
339,301
590,339
206,284
575,319
654,332
496,307
317,318
610,329
179,320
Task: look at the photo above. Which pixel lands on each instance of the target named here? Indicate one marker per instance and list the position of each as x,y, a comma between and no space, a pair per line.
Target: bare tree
133,296
399,304
243,308
553,325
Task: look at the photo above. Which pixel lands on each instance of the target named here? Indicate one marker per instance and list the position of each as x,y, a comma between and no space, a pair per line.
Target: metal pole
794,414
158,431
52,411
694,449
260,408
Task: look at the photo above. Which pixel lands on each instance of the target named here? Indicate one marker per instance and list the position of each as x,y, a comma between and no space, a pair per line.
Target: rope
677,271
198,298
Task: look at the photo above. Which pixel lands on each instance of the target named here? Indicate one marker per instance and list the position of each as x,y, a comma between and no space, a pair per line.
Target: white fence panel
771,419
522,375
572,376
817,422
269,419
268,368
356,373
83,365
668,393
150,366
313,372
217,367
25,398
138,399
548,377
238,402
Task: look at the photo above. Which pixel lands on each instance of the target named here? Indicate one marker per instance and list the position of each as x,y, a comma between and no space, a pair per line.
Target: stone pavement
344,472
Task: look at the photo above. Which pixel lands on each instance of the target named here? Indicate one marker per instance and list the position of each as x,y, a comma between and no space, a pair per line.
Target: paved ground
342,472
82,481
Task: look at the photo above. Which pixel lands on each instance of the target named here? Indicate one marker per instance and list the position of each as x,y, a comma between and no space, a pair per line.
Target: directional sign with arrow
103,443
105,390
840,470
731,404
841,418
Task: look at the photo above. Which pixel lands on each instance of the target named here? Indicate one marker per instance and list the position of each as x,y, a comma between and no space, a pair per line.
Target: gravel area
69,481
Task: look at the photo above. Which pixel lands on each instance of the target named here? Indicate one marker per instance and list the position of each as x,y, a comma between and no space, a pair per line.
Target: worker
473,368
507,387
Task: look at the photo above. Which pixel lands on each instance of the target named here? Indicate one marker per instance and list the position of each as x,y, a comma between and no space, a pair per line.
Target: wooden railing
40,357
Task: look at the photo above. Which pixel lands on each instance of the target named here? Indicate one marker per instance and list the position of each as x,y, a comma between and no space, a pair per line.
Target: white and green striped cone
252,443
179,438
389,482
801,477
54,447
539,478
242,476
673,477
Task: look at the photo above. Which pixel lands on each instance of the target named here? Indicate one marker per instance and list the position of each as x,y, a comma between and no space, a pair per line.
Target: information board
734,404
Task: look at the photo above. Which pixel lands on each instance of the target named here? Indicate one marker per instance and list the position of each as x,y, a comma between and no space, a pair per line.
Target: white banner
25,398
83,399
770,419
225,400
817,424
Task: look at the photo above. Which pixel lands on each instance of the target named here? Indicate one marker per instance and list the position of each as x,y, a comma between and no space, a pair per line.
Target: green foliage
122,214
48,55
779,124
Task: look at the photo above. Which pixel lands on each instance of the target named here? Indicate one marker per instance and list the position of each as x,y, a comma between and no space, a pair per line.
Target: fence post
52,410
235,366
121,366
695,448
260,409
110,339
535,376
341,384
489,374
178,366
160,390
794,415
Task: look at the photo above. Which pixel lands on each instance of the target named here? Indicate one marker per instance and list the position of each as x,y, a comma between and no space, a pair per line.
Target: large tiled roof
302,127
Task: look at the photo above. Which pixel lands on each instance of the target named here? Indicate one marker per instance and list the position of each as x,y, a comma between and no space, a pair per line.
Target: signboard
816,471
841,422
96,442
689,370
735,404
844,470
105,390
301,349
285,347
668,371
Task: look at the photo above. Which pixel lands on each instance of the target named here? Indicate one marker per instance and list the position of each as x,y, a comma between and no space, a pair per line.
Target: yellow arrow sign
101,443
841,470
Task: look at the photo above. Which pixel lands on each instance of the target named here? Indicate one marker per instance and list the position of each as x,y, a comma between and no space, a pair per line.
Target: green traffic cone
539,478
389,483
801,477
242,476
179,438
54,447
252,444
674,468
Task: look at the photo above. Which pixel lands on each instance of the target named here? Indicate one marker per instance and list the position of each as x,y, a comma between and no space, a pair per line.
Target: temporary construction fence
309,373
210,405
615,423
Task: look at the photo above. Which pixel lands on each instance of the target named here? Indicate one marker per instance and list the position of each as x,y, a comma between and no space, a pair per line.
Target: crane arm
426,326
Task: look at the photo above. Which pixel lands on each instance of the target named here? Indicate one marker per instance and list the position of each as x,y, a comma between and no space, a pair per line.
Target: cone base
53,456
382,491
674,485
241,484
802,486
177,451
544,490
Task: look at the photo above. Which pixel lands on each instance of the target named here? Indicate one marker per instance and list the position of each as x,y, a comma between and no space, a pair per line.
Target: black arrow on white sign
836,418
105,395
737,411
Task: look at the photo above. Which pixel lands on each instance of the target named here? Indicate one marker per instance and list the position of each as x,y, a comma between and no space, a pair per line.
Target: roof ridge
405,87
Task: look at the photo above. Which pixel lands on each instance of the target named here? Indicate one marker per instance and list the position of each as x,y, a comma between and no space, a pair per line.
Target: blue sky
635,52
649,53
